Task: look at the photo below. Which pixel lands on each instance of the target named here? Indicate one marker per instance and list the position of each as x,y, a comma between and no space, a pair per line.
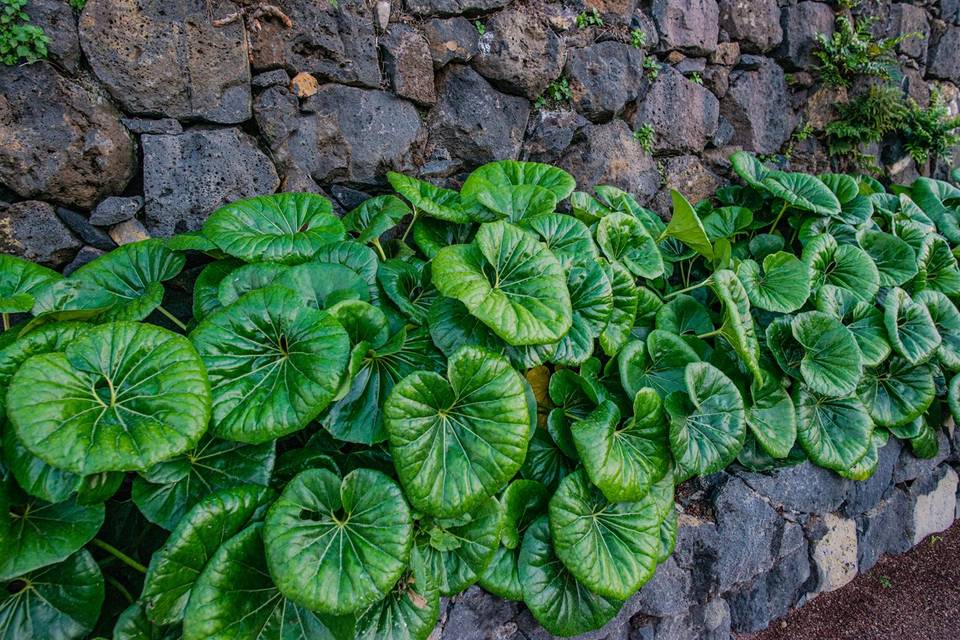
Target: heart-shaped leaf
844,266
937,267
176,566
283,227
771,417
896,392
726,222
946,319
895,260
802,191
831,363
683,315
566,237
20,280
165,492
274,364
353,537
456,442
623,461
659,363
863,320
511,282
517,203
707,426
591,298
910,327
625,240
34,533
459,550
122,396
609,547
374,217
834,432
235,597
410,610
435,202
59,601
784,285
625,303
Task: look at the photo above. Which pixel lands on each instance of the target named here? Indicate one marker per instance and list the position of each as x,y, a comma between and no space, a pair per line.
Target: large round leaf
657,363
684,316
338,547
517,203
507,173
323,284
511,282
34,533
610,547
274,364
165,492
623,461
937,266
591,297
456,443
435,202
565,236
783,286
234,597
206,288
844,266
452,326
35,476
374,217
19,282
410,610
897,392
787,352
707,427
284,227
175,567
831,363
554,596
624,239
946,319
802,191
738,328
123,396
771,417
458,550
749,169
625,303
932,196
59,602
355,256
248,278
863,319
910,327
407,285
895,260
834,432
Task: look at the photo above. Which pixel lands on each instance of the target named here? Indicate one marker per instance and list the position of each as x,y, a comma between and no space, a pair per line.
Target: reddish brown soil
915,596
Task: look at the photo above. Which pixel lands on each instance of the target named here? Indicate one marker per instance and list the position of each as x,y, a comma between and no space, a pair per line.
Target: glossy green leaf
274,364
863,319
410,610
511,282
896,392
545,462
452,326
844,266
625,304
683,315
34,533
738,328
338,547
20,280
517,203
206,288
456,441
726,222
623,461
749,169
895,260
831,363
523,501
248,278
707,427
408,286
771,417
508,173
459,550
322,284
658,363
566,237
35,476
591,297
60,602
802,191
910,327
432,235
783,286
283,227
122,396
834,432
937,267
610,547
866,466
625,240
686,227
374,217
932,196
787,352
357,257
946,319
235,597
133,624
435,202
176,566
165,492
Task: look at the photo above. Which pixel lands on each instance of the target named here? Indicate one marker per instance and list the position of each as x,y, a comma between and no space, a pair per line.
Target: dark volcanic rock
944,55
32,230
450,40
84,256
771,595
333,41
690,26
608,154
472,122
81,227
686,129
803,488
755,24
116,209
603,78
908,18
550,133
519,53
56,19
801,24
187,176
340,134
59,141
168,58
756,105
689,176
407,62
453,7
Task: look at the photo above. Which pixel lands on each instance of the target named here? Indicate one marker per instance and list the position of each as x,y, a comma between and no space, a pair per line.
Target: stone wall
752,546
150,114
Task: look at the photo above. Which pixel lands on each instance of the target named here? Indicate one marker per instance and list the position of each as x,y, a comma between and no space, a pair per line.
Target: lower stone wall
752,546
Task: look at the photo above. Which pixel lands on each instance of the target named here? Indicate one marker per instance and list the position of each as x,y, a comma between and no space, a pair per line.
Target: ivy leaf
283,227
354,538
122,396
456,441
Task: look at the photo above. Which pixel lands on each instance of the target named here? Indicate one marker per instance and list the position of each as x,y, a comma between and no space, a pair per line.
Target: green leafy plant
646,136
696,78
852,51
638,38
20,40
557,93
350,418
589,18
930,132
78,4
480,27
651,68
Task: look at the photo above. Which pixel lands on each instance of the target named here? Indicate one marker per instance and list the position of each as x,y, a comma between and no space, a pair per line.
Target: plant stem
773,227
172,318
376,245
119,587
6,321
685,289
709,334
410,226
119,555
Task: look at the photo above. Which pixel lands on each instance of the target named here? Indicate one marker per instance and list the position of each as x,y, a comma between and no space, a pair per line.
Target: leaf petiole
172,318
119,555
379,248
773,227
692,287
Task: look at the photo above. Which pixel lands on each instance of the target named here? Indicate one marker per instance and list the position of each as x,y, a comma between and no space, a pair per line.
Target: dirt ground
915,596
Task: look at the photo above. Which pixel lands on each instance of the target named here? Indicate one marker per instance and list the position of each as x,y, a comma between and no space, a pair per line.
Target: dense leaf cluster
355,422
